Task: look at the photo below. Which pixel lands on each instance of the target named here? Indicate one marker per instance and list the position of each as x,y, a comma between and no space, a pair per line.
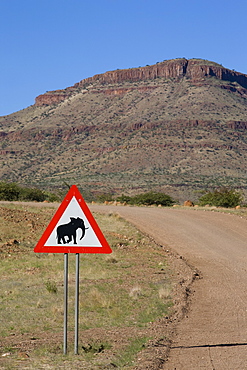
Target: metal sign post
77,301
65,330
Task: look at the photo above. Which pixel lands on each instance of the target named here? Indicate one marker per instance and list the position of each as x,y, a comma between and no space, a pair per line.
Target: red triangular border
41,248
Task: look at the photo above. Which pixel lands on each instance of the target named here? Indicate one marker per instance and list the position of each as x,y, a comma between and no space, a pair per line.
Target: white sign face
73,229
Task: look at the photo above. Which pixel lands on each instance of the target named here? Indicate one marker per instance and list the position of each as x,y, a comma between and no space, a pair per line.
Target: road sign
73,229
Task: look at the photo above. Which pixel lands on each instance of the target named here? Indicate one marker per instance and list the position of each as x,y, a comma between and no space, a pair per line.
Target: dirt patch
157,351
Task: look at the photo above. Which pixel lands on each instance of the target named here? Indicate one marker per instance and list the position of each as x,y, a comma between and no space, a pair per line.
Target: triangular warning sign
73,229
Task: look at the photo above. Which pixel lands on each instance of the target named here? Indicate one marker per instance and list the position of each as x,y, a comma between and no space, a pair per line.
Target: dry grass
135,292
116,312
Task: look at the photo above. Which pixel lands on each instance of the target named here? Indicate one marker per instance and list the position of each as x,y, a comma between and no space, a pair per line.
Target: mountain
179,126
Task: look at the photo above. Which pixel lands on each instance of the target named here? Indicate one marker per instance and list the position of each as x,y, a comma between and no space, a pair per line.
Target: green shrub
32,195
223,197
51,286
148,199
13,191
9,191
51,197
105,197
124,199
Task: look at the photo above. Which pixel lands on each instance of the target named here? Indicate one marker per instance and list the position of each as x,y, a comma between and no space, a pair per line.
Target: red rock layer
196,70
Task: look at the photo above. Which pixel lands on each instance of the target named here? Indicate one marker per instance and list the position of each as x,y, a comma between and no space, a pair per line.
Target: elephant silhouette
69,230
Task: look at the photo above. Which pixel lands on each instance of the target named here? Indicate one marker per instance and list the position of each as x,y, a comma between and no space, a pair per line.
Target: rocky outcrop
71,133
237,125
168,69
50,98
195,69
240,91
122,91
188,203
37,135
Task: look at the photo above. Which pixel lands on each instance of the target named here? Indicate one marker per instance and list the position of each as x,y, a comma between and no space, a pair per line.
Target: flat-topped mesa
195,69
167,69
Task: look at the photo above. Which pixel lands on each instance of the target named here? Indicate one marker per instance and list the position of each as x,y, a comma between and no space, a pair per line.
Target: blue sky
52,44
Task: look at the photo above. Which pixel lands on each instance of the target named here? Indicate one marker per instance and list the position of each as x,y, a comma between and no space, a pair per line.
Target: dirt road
213,335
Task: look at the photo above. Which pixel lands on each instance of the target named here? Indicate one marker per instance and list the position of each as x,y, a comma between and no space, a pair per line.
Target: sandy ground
213,333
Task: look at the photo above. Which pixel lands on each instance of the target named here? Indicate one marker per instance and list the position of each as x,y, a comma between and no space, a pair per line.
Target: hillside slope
178,126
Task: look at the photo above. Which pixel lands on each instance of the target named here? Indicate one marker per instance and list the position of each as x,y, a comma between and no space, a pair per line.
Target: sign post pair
72,229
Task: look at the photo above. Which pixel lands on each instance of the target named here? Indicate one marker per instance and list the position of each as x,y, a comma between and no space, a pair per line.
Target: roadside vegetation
13,192
147,199
219,197
121,295
224,197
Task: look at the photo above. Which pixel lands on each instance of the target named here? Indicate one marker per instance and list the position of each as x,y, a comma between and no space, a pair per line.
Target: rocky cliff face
194,69
51,97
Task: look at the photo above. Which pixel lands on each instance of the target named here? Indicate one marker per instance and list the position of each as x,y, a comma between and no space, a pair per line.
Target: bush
9,191
148,199
32,195
124,199
224,197
105,197
51,286
51,197
12,192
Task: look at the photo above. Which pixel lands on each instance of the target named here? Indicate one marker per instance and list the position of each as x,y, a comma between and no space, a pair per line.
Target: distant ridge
194,69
